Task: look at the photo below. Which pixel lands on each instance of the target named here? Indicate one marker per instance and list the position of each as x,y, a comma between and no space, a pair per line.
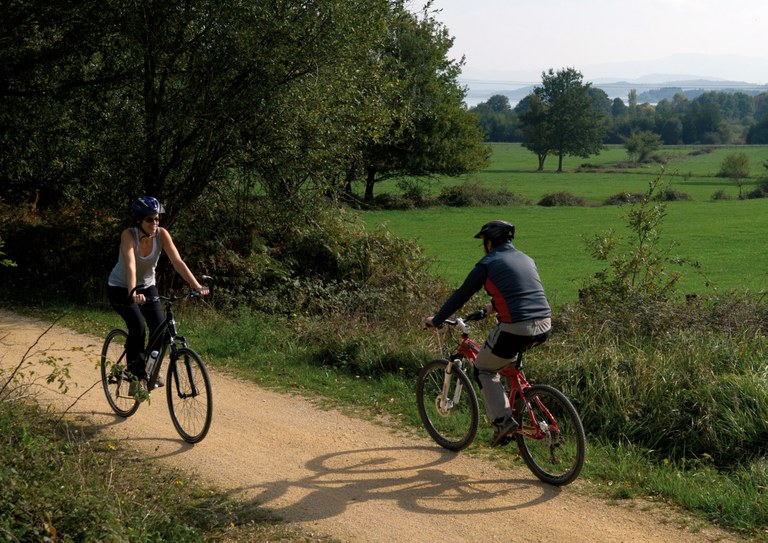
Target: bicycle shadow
339,480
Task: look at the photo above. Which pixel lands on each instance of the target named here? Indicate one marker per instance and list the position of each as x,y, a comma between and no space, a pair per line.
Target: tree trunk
370,179
542,158
560,163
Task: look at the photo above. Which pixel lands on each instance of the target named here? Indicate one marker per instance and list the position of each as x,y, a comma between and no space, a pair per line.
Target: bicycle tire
556,457
188,390
454,427
114,377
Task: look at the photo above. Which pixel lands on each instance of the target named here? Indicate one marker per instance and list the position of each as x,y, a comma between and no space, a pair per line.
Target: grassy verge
268,351
61,482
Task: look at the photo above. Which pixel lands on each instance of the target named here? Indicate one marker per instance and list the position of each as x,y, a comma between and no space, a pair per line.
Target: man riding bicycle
523,313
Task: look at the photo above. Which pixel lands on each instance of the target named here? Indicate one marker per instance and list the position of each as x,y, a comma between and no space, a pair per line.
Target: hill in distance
663,77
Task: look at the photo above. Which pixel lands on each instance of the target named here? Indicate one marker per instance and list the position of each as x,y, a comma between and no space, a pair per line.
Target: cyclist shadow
112,420
339,480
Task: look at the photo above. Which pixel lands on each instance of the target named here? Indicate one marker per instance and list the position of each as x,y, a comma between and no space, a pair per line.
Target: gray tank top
145,265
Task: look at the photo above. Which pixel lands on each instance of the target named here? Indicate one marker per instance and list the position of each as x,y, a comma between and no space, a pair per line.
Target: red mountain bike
550,437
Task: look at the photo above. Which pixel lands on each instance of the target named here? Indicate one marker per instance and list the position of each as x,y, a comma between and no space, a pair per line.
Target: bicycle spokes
447,404
114,376
552,441
189,396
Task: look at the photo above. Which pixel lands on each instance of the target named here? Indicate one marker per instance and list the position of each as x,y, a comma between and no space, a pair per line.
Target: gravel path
327,473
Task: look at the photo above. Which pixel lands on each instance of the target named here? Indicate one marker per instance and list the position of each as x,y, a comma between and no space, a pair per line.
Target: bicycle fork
181,363
446,403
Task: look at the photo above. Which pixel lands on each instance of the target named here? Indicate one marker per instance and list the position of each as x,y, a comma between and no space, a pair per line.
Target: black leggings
134,316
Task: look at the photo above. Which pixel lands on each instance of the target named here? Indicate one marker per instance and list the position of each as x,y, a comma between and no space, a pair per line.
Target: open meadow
726,237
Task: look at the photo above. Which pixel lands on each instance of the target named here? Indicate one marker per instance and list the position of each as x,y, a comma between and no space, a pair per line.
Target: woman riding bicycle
140,248
524,317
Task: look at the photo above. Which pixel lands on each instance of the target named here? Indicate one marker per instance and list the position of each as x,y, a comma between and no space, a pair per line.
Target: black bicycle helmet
147,205
496,231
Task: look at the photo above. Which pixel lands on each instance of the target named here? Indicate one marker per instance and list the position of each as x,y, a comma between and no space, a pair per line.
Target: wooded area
239,115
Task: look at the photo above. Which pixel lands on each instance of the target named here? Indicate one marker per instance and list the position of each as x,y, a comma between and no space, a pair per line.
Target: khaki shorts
509,338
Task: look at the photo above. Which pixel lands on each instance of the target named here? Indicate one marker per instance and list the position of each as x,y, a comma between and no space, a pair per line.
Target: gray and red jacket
511,279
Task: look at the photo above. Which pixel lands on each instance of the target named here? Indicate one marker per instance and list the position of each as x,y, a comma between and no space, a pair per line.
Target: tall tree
430,130
535,127
570,123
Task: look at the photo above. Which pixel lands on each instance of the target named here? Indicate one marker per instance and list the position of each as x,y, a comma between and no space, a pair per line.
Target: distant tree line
711,118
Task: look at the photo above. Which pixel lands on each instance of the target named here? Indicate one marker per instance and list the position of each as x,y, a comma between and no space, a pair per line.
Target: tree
758,133
430,131
640,145
497,119
533,120
568,120
166,98
736,167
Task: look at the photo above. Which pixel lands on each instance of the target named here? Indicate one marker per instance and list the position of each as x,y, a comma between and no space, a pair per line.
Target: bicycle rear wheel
452,422
114,374
188,390
552,441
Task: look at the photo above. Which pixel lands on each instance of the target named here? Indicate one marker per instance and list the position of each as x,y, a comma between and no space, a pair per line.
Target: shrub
761,191
475,194
50,247
630,294
561,199
669,194
624,198
721,195
322,261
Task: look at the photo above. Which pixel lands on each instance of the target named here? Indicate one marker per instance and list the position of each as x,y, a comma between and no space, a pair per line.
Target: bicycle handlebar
174,298
461,322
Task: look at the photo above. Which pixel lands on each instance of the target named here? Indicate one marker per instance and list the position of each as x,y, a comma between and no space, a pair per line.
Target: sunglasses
152,219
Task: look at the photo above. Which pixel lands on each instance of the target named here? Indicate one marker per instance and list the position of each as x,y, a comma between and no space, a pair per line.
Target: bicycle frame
164,338
518,384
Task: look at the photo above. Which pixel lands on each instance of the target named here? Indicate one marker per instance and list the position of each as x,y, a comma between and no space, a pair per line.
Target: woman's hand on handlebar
203,290
134,296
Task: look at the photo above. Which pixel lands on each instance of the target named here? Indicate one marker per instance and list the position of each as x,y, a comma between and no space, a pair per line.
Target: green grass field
725,237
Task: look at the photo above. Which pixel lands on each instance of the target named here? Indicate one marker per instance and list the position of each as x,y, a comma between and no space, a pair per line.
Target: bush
392,201
322,261
561,199
624,198
474,194
671,195
52,247
721,195
761,191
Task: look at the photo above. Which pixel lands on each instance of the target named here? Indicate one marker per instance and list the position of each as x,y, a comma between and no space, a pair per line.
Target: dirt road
327,473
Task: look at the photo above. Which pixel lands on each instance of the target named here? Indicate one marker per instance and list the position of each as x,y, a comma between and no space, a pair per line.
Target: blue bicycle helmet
147,205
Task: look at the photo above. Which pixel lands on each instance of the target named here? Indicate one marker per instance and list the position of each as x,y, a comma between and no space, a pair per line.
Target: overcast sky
518,39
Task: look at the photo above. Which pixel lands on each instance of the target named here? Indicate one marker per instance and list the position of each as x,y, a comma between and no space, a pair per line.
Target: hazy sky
609,38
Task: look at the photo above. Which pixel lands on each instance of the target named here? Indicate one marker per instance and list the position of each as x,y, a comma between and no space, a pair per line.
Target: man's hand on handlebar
476,315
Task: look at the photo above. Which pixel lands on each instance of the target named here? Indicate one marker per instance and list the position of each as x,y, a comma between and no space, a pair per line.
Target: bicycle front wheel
114,374
188,390
552,441
447,405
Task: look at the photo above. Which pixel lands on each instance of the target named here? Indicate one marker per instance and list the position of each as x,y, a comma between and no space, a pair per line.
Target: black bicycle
187,385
